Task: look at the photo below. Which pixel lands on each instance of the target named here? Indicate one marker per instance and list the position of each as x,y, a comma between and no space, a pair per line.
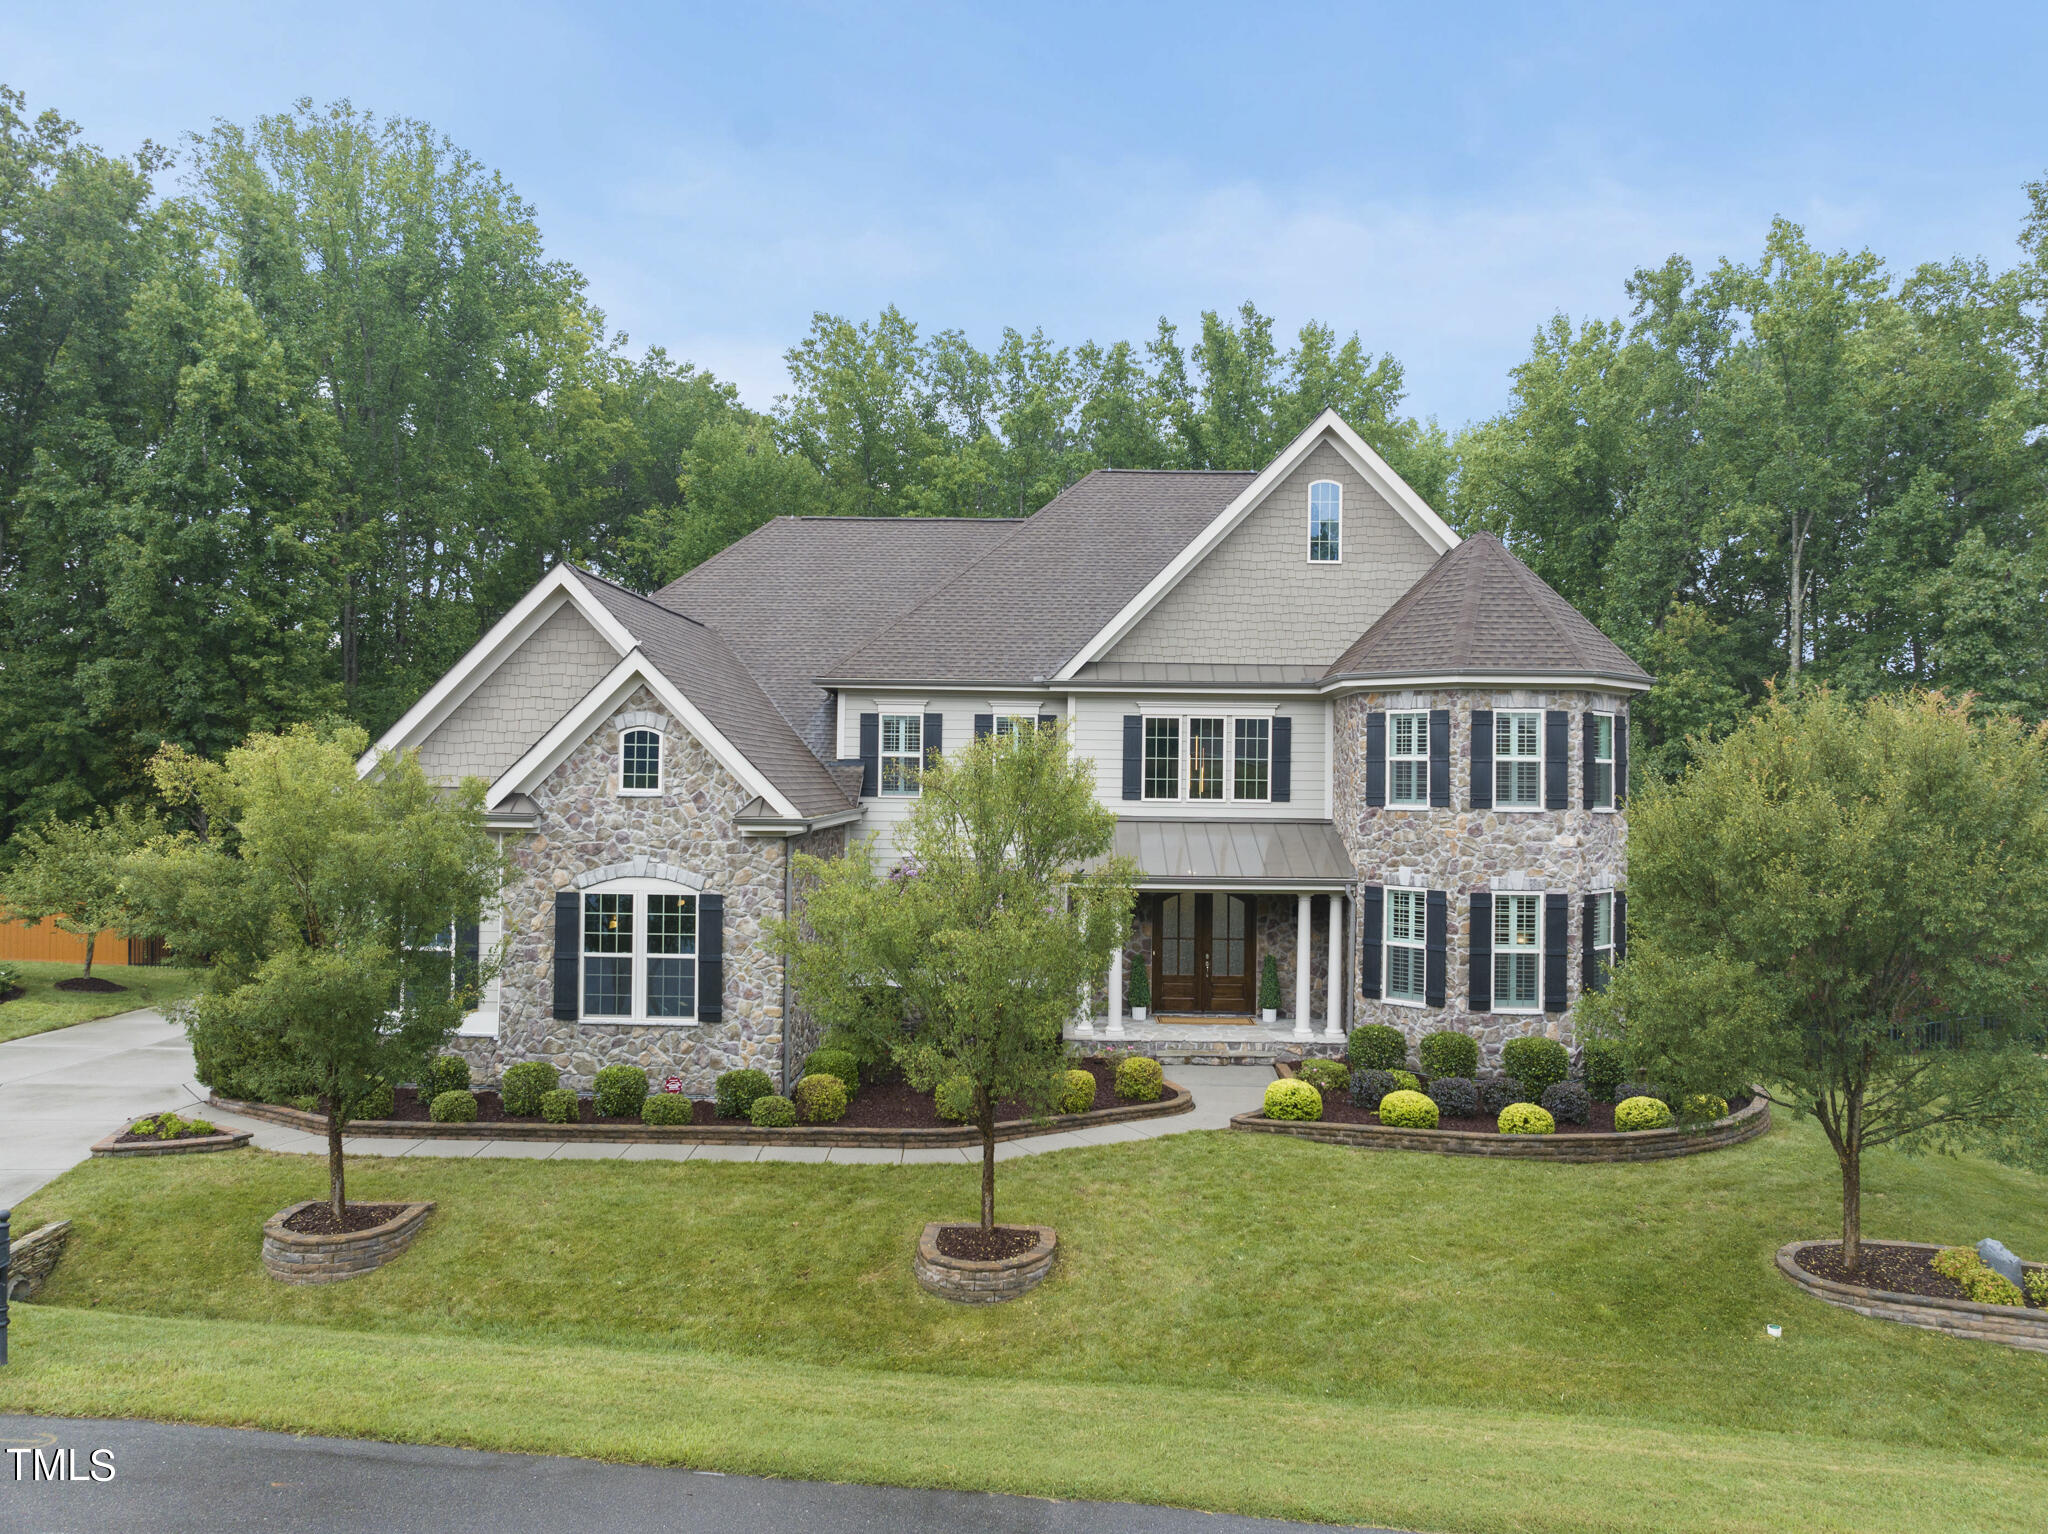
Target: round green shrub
453,1107
1407,1110
668,1108
1140,1080
1077,1092
1604,1066
1525,1119
1326,1076
820,1099
834,1062
772,1112
1641,1113
1496,1092
1295,1100
1376,1047
1449,1053
1406,1081
561,1106
380,1102
1368,1087
446,1073
523,1086
954,1100
1702,1108
1535,1062
1568,1102
1456,1097
737,1091
621,1089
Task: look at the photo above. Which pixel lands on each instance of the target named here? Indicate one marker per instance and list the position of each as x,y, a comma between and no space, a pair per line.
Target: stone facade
1459,850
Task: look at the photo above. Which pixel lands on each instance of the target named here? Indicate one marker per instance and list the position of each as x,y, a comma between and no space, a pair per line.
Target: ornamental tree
1848,905
326,903
70,871
983,940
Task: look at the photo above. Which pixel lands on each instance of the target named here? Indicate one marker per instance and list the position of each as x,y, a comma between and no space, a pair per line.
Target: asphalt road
170,1479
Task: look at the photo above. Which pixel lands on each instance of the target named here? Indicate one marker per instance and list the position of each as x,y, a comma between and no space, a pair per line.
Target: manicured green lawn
44,1007
1238,1322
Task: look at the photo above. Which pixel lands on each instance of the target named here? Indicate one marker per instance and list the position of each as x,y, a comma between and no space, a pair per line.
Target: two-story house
1333,732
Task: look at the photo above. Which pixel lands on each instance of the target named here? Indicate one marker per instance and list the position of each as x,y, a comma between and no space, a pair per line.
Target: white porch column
1116,994
1304,934
1333,1020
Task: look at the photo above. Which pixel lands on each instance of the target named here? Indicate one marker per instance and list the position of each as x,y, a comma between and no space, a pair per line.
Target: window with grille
671,955
902,753
1408,759
640,762
1008,725
1603,761
1407,912
1205,758
1254,759
1162,758
1325,522
640,953
1515,953
607,955
1603,939
1517,760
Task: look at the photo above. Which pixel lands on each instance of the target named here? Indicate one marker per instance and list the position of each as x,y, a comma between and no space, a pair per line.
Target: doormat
1207,1019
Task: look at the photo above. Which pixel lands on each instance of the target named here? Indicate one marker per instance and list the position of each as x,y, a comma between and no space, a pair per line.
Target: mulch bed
130,1137
1900,1270
318,1219
1338,1108
970,1243
89,983
11,993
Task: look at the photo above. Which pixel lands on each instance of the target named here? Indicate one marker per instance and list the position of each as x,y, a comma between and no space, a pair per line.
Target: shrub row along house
1334,733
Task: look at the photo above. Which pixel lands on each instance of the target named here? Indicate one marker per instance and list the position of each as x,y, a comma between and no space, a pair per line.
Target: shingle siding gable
533,687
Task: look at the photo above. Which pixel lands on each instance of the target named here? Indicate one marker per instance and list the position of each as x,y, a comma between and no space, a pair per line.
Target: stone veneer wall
1572,851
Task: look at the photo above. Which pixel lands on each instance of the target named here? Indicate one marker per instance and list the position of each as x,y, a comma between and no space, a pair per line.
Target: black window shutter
1620,760
1480,945
1372,927
1134,753
1554,908
984,724
1283,760
1620,926
468,948
1589,964
1557,759
710,958
1375,759
568,952
1048,721
934,737
870,754
1436,923
1588,743
1482,767
1440,758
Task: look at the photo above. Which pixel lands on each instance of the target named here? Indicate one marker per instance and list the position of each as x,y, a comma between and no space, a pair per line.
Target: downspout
788,914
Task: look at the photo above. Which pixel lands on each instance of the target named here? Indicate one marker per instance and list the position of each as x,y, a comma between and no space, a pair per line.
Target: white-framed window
1208,758
640,761
1325,522
1407,932
1408,759
1602,765
1252,759
640,952
1162,758
902,753
1515,953
1517,761
1008,725
1205,759
1603,938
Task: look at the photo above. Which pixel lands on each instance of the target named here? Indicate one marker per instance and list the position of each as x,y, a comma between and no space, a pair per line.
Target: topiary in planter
1496,1092
1407,1110
560,1107
1526,1119
1368,1087
454,1107
772,1112
1326,1076
1449,1053
669,1108
1535,1062
1077,1092
1604,1067
1140,1079
737,1091
820,1099
1456,1097
1702,1108
1568,1102
954,1100
834,1062
621,1089
523,1086
1138,989
1641,1113
1376,1047
1294,1100
1269,985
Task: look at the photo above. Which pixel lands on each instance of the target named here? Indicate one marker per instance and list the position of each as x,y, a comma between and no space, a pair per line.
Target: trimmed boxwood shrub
1456,1097
834,1062
1368,1087
1628,1089
1449,1053
1295,1100
445,1073
1702,1108
1604,1067
1641,1113
1568,1102
1526,1119
621,1089
1077,1092
668,1108
560,1107
453,1107
380,1102
954,1100
1407,1081
1376,1047
820,1099
1408,1110
1326,1076
1140,1079
736,1091
523,1086
1535,1062
772,1112
1496,1092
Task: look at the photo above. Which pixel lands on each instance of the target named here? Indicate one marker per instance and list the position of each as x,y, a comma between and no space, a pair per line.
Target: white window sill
1531,1011
478,1025
639,793
1406,805
1403,1001
1520,809
638,1022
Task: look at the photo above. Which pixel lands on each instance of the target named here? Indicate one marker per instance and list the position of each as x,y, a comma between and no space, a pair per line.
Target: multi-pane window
640,762
1514,953
1205,758
1603,938
1517,760
608,955
1162,758
640,954
1406,933
902,753
1408,759
671,955
1254,756
1015,724
1325,522
1603,761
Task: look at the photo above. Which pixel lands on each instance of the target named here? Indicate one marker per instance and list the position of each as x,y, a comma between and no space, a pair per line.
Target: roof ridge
638,596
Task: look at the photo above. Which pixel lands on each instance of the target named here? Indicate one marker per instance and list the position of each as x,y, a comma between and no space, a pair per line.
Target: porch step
1172,1042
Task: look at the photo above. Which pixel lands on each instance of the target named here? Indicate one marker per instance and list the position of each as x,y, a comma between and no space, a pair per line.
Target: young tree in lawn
69,871
1004,909
328,903
1847,903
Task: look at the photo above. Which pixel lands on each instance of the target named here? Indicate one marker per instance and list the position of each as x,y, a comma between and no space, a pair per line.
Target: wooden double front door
1202,953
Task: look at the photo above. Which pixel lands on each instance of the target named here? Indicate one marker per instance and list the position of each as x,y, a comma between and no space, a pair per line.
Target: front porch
1226,1041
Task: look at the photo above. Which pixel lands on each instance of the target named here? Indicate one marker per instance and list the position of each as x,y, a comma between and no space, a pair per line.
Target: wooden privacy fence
45,941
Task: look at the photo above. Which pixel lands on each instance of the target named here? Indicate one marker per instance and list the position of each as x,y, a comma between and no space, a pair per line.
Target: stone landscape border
967,1282
227,1139
294,1258
1173,1099
2012,1325
1746,1123
32,1258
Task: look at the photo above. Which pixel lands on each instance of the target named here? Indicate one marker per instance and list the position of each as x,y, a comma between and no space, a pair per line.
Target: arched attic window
640,761
1325,522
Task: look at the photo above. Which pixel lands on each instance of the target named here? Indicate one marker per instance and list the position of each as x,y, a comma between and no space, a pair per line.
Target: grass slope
43,1007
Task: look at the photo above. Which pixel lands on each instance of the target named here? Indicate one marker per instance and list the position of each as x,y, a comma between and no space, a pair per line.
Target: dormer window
640,762
1325,522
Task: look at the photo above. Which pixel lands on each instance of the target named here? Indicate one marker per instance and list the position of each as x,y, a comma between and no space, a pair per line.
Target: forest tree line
288,417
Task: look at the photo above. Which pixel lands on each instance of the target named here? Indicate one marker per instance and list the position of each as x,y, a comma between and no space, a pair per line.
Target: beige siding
1257,599
521,701
1099,735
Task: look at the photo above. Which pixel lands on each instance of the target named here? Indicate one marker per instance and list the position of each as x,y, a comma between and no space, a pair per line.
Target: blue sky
1439,179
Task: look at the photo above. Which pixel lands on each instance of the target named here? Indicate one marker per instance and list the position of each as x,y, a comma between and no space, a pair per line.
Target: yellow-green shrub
1295,1100
772,1112
1077,1092
1407,1080
1979,1282
669,1108
1703,1107
1526,1119
2037,1286
1641,1113
954,1099
1326,1076
1407,1109
1140,1080
820,1099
